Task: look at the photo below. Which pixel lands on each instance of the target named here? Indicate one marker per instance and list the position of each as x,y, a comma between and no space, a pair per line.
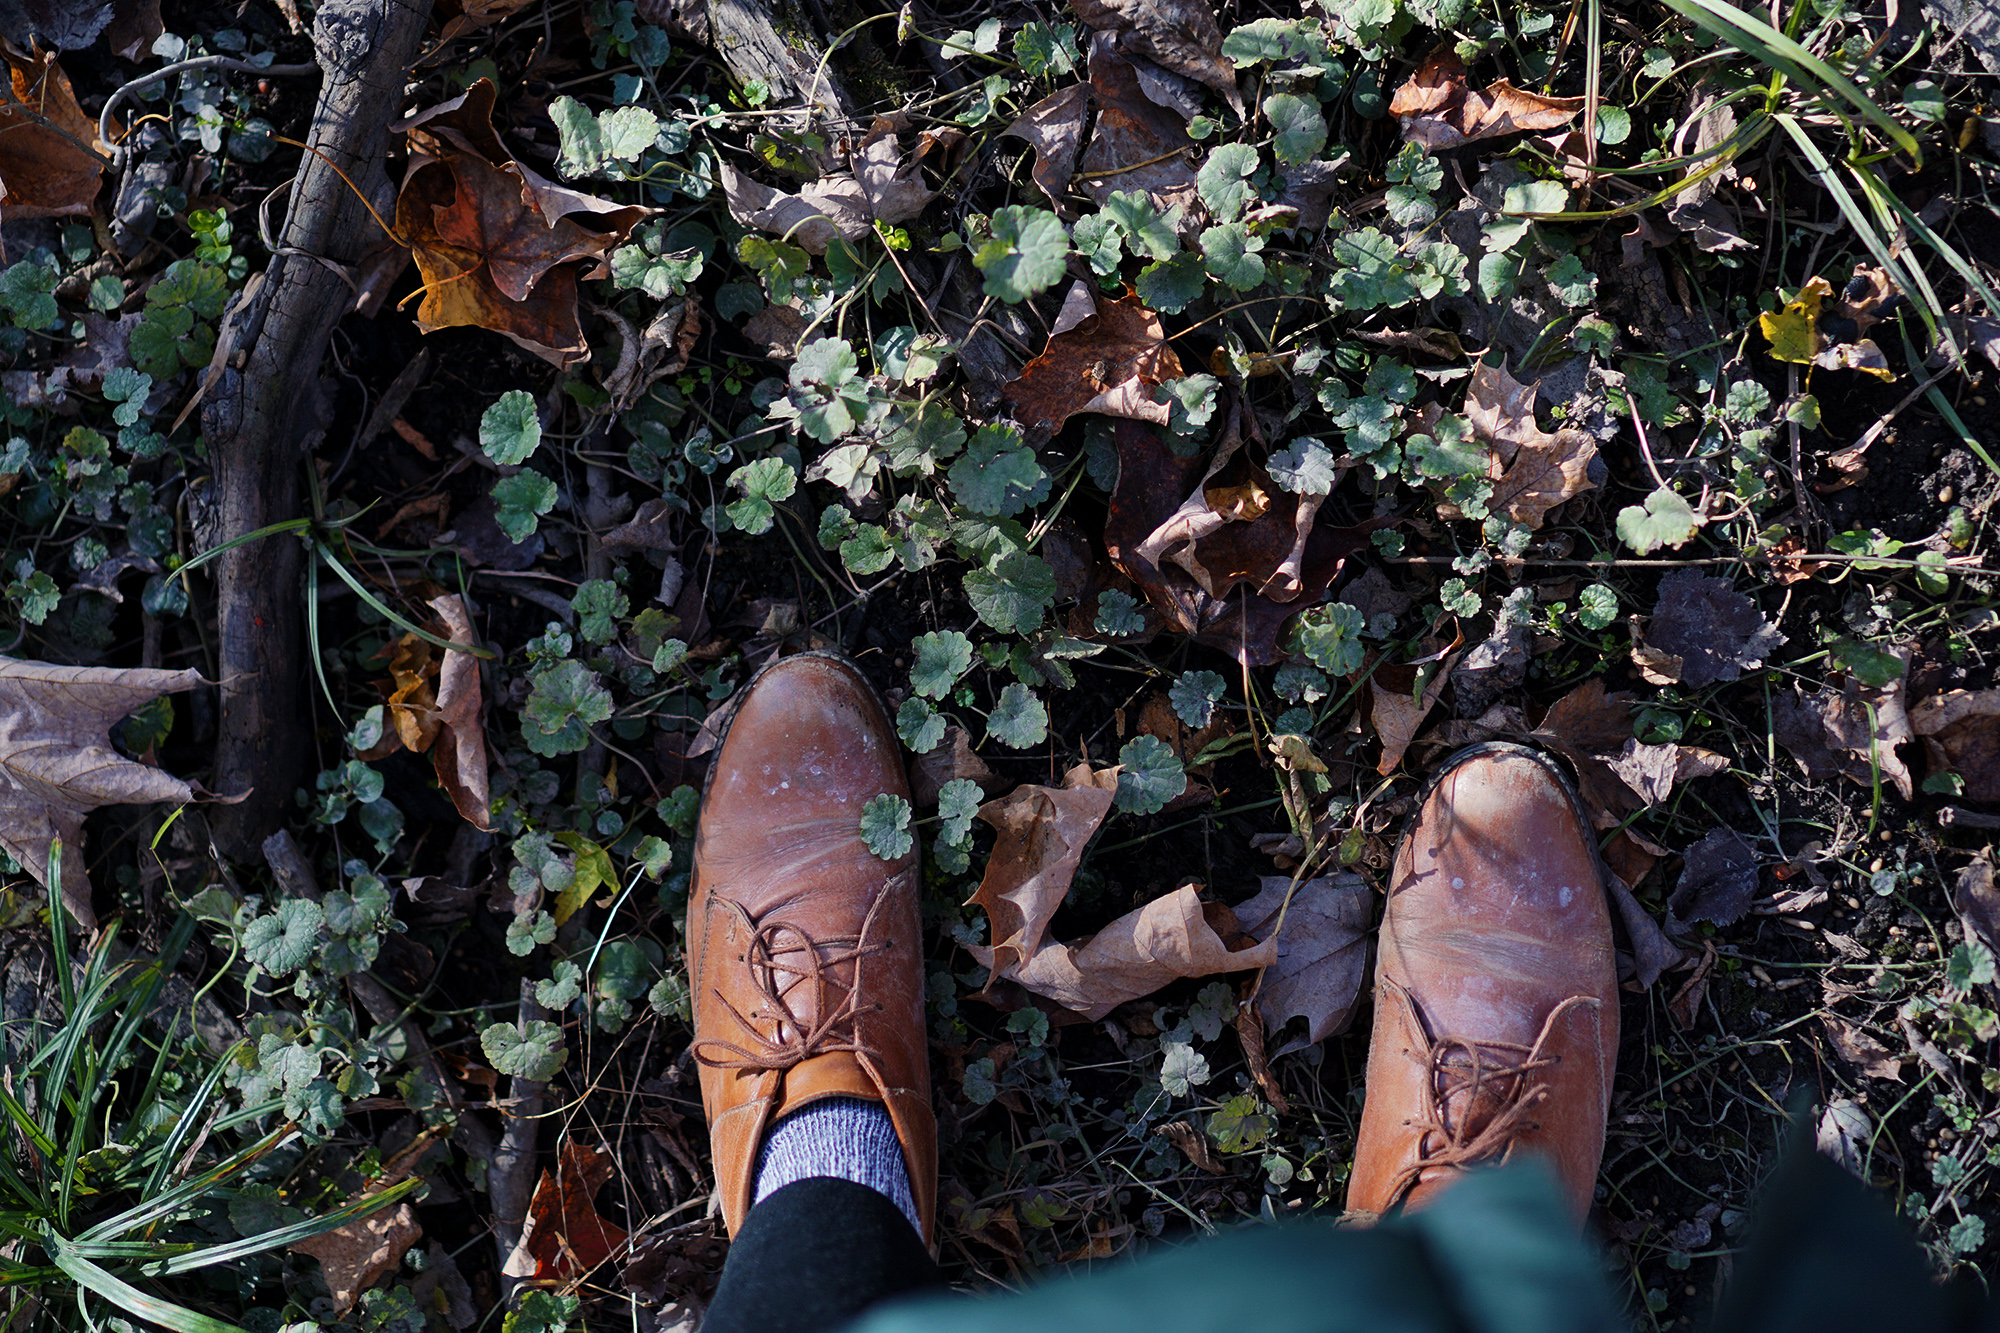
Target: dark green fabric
1497,1254
1827,1256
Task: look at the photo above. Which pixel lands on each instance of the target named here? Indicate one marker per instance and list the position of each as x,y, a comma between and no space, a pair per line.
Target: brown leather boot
804,954
1496,999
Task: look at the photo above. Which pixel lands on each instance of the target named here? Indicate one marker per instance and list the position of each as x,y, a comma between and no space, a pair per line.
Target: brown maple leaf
1109,362
1439,111
57,763
49,166
1538,470
498,245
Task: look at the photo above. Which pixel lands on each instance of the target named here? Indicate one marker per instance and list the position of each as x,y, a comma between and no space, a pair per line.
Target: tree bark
259,415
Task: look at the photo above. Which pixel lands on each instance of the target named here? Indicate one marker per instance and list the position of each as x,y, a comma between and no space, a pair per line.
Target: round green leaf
1024,257
1301,130
1150,775
1019,720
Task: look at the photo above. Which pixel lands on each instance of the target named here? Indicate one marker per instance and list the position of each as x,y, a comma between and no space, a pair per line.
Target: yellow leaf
1794,331
593,868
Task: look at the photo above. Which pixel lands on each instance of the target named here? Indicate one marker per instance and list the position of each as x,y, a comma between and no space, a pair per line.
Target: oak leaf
499,246
1108,363
49,165
1439,111
1538,470
57,763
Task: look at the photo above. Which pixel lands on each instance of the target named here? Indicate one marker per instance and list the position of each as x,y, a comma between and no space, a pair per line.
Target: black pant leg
813,1256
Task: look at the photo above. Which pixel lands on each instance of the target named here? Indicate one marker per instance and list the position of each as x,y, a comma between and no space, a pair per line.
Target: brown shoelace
1472,1068
774,976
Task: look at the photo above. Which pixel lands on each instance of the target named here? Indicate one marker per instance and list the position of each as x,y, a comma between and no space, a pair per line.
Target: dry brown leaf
1135,144
1040,834
1178,35
353,1257
1395,710
1439,111
894,184
1538,471
459,754
1164,534
1718,881
953,758
1165,940
49,165
135,26
1580,726
1828,733
886,187
498,245
1054,126
1108,363
1714,632
1193,1145
1978,901
1652,952
1322,952
1964,728
565,1236
458,17
57,763
1860,1049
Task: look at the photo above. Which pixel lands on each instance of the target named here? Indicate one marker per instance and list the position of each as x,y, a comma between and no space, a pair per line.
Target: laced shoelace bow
1459,1067
772,949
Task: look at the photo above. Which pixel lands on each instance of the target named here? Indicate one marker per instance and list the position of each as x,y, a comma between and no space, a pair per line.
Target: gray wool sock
847,1138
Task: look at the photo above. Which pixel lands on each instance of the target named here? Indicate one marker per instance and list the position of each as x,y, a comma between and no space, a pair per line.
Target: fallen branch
263,414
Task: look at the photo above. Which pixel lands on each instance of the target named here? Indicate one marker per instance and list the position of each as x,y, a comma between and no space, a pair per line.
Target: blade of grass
1760,40
126,1296
283,1236
325,552
1864,227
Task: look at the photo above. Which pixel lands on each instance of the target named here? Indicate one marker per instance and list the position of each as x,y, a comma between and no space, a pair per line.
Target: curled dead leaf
1041,833
498,245
565,1236
1109,362
1439,111
1054,126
